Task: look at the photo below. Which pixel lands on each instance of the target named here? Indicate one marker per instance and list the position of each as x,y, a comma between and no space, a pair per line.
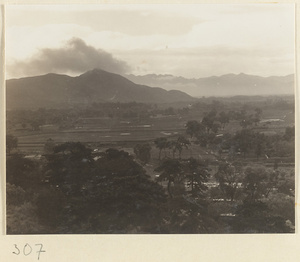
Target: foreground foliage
227,172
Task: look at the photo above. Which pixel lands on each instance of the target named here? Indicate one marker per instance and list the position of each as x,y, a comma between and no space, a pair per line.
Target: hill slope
53,90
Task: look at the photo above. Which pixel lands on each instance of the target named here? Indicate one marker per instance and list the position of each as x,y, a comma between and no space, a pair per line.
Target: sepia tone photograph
150,119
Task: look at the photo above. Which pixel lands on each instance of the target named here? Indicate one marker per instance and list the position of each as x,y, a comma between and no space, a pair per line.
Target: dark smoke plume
75,57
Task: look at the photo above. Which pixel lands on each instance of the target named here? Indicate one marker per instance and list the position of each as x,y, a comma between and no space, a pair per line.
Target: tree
169,111
225,143
36,123
143,152
171,171
69,166
22,172
254,182
246,121
257,214
228,176
179,144
243,140
121,196
11,143
283,181
256,217
50,203
22,219
223,119
208,121
189,206
194,128
161,143
49,146
259,143
15,195
283,148
111,195
257,116
282,205
196,175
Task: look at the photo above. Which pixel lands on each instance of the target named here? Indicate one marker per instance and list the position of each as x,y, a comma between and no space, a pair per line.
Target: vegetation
216,166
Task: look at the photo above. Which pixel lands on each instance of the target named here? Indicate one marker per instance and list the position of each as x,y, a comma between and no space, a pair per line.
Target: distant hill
54,90
225,85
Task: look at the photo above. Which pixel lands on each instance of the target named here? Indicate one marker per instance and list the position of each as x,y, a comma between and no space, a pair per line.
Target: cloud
75,57
120,19
212,60
186,40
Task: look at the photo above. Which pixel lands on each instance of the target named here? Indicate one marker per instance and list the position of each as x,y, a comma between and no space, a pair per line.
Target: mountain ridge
56,90
224,85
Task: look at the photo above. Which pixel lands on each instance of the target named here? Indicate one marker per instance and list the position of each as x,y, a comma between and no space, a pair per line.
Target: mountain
54,90
225,85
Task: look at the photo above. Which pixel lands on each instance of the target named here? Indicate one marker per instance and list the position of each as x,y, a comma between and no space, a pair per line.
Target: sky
191,41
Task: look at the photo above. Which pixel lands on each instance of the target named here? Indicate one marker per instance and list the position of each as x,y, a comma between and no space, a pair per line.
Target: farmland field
97,131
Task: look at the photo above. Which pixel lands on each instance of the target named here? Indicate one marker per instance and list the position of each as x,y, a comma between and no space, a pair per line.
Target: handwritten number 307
27,250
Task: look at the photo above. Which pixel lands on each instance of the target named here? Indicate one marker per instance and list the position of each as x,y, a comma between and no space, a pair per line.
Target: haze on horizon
191,41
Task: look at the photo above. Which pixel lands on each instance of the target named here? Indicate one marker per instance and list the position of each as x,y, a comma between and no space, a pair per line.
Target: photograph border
242,247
